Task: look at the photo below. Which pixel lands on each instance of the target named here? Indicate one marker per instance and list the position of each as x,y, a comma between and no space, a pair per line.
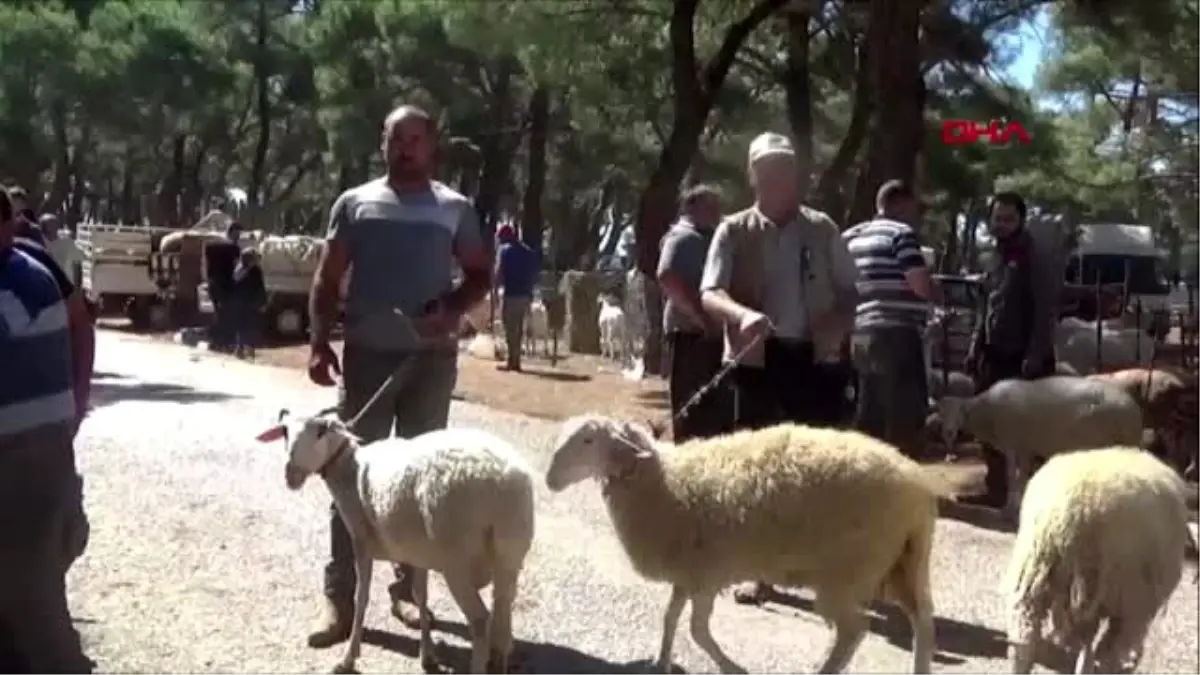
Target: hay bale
581,290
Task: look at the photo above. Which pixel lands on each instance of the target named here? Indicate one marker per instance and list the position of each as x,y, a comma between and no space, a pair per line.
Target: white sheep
707,514
1028,420
457,501
537,328
1120,347
614,329
1101,543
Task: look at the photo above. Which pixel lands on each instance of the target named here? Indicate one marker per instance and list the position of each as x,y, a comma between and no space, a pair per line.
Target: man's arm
1047,283
907,250
323,300
714,285
674,250
472,257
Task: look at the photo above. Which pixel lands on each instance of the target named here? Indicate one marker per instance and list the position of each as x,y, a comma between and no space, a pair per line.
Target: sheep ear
273,434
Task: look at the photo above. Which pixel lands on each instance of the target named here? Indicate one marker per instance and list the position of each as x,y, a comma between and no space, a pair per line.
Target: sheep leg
467,598
1120,647
364,565
849,629
1018,472
504,594
670,623
702,609
420,591
1024,633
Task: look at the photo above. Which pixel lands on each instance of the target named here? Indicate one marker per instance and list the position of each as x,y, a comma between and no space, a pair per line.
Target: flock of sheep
1101,544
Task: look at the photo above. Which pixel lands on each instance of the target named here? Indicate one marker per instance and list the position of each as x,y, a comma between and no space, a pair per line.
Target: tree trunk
496,151
831,188
532,222
798,92
893,39
262,76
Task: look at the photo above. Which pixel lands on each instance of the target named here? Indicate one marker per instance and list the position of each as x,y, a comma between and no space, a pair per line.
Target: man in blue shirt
42,400
517,275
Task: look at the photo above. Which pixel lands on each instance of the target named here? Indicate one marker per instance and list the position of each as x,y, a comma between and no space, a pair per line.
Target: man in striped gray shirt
894,289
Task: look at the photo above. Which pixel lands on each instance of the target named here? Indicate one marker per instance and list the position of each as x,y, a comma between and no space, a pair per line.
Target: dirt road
202,561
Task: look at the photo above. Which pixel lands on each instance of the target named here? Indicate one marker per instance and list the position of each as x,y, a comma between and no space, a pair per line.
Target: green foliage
132,109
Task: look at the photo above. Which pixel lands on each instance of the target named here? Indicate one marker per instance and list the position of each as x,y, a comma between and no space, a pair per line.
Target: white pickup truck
120,271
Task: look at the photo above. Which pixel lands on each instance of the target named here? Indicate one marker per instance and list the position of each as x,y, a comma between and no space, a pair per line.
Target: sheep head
593,446
313,443
952,413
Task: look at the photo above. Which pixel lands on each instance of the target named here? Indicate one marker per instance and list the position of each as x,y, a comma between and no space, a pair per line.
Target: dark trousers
695,361
246,319
513,311
994,367
220,334
418,403
789,388
43,529
892,396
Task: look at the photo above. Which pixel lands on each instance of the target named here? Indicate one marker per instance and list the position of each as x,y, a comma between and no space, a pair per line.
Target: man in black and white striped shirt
894,289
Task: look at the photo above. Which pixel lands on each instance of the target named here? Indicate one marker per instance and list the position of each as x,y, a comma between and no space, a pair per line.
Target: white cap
768,144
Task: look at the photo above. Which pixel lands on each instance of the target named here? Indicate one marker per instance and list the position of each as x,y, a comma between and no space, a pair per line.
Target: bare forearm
720,306
687,299
83,360
474,287
322,310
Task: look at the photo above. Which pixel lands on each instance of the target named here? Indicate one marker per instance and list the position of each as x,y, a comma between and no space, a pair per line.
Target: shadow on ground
955,639
979,516
108,388
557,375
527,657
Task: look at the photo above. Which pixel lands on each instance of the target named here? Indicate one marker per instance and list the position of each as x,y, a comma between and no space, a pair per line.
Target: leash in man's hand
717,379
396,375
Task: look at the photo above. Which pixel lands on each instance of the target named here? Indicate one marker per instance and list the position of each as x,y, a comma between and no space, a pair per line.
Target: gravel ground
202,561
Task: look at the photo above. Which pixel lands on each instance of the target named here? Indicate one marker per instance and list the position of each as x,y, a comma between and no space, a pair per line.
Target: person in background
1015,336
894,291
26,220
64,249
400,237
248,299
221,260
516,275
46,345
780,280
693,337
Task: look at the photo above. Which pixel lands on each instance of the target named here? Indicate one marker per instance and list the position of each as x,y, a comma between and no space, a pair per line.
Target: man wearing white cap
781,281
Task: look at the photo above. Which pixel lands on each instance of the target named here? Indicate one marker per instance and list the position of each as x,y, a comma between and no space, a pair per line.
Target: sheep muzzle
294,477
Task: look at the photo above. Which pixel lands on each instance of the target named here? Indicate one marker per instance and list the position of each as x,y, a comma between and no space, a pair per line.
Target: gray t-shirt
401,251
684,249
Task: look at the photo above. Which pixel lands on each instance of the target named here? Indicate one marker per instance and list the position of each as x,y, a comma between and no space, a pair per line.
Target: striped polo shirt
883,250
35,346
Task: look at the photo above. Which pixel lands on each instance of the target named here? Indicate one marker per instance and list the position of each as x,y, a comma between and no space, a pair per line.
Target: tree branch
713,75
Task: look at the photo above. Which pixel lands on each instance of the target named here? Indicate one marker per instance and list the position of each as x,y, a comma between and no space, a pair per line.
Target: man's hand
439,322
754,326
323,364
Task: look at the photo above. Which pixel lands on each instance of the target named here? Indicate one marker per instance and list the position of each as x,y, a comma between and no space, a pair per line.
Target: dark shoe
334,625
751,593
404,606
